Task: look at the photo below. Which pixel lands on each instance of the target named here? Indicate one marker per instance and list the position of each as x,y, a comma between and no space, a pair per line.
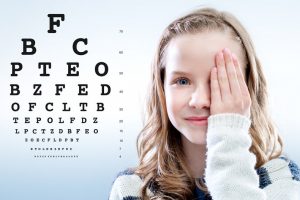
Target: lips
198,121
197,118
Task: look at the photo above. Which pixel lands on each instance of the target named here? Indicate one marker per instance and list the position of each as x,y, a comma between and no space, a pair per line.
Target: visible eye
182,81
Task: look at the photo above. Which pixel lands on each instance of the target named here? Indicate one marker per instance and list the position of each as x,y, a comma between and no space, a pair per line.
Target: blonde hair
162,164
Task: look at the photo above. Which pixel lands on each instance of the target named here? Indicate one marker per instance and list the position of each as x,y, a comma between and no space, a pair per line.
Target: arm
230,172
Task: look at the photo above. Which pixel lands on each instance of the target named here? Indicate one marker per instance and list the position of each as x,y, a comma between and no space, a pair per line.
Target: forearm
230,172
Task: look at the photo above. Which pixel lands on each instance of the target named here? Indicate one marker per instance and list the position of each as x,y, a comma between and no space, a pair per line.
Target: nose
200,98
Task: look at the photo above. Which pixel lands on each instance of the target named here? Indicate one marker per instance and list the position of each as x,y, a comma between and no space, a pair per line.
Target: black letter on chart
14,89
82,89
72,67
59,88
44,65
105,69
46,106
13,106
103,89
56,23
37,88
15,69
28,43
85,41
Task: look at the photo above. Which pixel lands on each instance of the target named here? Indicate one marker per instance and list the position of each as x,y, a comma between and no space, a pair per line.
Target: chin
198,139
194,136
198,136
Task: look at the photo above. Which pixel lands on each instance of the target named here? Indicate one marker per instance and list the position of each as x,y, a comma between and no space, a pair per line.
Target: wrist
233,120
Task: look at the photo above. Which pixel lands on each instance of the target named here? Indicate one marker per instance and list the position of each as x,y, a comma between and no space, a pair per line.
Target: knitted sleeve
230,172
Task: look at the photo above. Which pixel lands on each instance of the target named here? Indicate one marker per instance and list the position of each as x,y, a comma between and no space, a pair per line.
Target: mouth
198,121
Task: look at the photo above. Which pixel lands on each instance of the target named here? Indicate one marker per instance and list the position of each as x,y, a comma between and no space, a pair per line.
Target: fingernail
226,50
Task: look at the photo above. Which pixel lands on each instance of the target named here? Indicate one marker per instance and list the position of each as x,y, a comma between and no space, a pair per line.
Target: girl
208,134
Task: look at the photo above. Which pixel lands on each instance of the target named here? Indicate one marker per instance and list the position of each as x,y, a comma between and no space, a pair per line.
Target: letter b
28,43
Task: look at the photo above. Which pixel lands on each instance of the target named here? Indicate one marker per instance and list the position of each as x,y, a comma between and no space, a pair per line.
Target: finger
214,86
231,74
240,77
222,77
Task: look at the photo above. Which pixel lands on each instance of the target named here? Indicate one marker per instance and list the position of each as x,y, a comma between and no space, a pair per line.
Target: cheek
176,101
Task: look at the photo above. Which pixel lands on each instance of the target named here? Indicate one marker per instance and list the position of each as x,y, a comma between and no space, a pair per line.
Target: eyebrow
180,73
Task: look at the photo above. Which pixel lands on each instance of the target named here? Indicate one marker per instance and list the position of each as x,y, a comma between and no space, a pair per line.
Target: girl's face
189,60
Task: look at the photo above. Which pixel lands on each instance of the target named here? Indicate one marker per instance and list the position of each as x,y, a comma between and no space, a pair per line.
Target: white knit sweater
230,173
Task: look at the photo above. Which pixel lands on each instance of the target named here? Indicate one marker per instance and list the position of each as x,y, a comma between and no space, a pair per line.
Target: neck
195,155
